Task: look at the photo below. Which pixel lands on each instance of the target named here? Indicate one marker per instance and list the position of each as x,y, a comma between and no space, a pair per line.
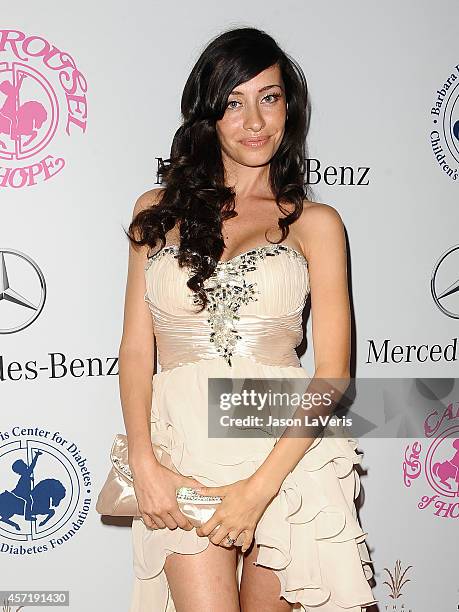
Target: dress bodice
256,300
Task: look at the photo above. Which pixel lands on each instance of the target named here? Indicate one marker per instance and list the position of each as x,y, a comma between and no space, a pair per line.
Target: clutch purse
117,496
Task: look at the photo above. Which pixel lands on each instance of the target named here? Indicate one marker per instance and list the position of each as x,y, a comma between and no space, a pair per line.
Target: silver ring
230,540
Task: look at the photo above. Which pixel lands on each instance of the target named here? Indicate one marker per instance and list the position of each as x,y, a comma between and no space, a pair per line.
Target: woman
240,248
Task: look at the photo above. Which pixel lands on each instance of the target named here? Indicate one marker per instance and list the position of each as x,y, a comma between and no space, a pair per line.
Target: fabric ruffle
309,534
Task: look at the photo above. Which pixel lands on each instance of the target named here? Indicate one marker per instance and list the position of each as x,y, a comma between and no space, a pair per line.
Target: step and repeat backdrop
89,102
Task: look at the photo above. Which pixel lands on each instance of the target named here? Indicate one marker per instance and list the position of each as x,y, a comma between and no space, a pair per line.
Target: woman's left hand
243,504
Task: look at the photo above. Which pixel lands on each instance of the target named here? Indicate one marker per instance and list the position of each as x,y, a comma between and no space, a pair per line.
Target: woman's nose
253,119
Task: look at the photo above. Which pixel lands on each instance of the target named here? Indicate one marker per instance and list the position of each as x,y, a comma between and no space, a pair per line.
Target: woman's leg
204,581
260,587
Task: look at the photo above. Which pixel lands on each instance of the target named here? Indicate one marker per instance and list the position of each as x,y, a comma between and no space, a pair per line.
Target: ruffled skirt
309,534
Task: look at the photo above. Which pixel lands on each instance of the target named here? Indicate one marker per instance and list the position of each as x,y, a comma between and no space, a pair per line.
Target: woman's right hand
155,489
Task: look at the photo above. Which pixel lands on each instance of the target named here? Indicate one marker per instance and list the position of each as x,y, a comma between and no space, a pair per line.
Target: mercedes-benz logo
22,291
447,295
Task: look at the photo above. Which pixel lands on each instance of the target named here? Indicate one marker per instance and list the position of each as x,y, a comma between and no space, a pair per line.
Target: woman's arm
154,484
136,353
321,233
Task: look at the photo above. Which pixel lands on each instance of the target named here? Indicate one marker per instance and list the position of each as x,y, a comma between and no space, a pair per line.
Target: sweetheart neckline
239,255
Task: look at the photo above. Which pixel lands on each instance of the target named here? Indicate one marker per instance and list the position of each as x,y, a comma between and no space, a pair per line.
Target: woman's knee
205,581
260,587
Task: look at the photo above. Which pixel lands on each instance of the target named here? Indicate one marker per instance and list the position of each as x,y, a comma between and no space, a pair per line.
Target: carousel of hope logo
436,463
41,90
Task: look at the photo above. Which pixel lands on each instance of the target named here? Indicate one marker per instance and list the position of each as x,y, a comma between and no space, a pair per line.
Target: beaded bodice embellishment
227,289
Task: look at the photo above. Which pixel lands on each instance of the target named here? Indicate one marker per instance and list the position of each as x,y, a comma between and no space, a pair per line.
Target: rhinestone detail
173,248
122,467
189,494
227,289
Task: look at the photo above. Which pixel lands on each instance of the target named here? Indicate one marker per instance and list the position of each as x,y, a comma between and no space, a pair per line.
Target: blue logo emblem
45,490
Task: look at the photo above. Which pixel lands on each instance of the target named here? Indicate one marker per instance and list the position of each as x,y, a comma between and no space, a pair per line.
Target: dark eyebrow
240,93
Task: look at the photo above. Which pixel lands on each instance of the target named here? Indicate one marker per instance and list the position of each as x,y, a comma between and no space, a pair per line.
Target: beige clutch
117,496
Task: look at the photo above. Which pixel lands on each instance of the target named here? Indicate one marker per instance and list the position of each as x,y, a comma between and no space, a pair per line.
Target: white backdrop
79,144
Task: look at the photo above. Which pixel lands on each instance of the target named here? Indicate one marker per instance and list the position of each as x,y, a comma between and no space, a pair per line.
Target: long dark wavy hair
195,195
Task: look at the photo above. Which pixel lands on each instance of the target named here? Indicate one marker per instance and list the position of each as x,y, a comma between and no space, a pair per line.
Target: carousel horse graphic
17,119
445,470
27,500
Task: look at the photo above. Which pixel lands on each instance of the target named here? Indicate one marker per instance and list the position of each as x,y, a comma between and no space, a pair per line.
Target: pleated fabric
309,535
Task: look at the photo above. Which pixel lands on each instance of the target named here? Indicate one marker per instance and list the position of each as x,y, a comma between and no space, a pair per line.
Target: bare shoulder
318,213
148,199
318,223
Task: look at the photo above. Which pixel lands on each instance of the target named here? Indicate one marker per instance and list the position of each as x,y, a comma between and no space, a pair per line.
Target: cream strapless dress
309,534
